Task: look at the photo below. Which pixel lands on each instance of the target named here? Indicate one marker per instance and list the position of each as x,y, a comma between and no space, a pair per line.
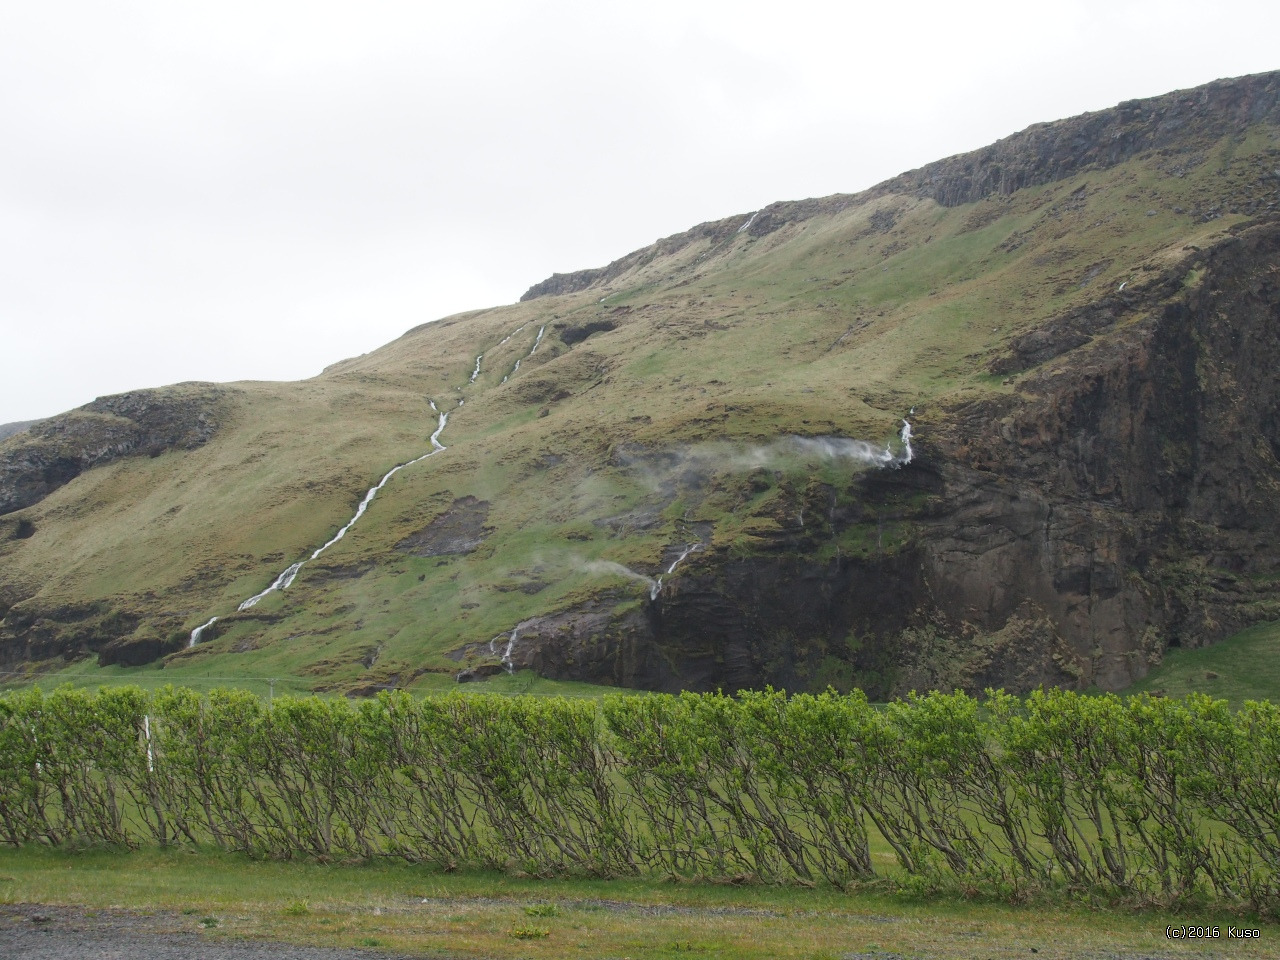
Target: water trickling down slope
286,578
508,663
541,331
290,573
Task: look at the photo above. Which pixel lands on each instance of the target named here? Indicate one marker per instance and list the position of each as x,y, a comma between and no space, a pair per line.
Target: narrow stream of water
290,573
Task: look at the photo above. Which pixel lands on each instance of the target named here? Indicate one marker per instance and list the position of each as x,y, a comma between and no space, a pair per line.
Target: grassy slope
828,325
406,908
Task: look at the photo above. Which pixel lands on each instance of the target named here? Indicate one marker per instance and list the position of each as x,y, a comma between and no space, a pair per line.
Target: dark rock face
135,651
1129,495
54,452
32,632
1155,453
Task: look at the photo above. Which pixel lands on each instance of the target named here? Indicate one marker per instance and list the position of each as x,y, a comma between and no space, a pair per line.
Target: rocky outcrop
562,283
53,452
1047,152
1160,445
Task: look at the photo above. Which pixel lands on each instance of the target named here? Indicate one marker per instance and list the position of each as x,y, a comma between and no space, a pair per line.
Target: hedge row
1149,798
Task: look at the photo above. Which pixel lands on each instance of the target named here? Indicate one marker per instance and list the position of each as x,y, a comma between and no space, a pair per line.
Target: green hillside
659,412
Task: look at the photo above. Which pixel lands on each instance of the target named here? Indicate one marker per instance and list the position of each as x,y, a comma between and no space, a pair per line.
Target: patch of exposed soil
460,529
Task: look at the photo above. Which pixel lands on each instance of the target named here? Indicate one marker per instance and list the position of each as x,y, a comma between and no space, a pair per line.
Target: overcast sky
254,190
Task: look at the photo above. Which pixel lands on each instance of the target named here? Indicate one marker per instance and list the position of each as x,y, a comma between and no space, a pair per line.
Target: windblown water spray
608,566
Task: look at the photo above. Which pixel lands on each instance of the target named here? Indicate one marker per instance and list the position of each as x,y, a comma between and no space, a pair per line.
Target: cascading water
680,559
198,632
752,220
507,663
657,585
281,582
506,657
906,441
541,332
290,573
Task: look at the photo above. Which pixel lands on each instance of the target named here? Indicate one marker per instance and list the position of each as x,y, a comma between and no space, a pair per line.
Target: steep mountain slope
1079,323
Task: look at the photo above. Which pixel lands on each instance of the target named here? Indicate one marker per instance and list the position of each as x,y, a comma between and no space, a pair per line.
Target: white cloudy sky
234,190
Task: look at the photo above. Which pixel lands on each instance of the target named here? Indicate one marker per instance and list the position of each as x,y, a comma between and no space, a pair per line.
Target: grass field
401,907
1243,667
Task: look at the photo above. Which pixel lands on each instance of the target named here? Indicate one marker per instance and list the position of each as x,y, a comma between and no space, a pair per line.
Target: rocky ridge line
1042,153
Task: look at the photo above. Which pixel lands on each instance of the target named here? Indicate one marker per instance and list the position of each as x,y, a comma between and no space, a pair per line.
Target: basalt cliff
1007,420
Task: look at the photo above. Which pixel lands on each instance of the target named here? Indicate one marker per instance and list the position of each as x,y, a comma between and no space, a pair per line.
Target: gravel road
35,932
